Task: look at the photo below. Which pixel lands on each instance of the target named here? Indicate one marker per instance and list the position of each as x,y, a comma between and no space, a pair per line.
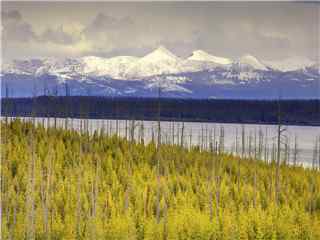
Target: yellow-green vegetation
60,184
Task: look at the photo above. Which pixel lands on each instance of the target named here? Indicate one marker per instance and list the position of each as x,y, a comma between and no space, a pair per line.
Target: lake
225,136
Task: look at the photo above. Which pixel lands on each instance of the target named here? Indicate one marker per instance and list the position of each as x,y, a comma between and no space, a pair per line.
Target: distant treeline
294,112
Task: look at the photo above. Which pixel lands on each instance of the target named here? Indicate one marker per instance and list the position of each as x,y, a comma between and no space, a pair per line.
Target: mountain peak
161,53
200,55
162,48
252,61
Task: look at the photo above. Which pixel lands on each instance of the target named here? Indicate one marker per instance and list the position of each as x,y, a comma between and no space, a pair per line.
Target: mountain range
201,75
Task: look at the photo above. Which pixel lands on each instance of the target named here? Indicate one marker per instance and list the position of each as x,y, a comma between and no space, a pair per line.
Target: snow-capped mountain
160,61
200,75
249,60
115,67
200,55
62,69
290,64
24,67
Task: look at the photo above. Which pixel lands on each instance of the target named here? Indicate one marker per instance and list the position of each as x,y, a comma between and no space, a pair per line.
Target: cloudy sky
268,31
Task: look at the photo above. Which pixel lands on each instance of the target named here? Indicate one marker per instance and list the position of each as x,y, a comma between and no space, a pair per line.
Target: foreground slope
65,185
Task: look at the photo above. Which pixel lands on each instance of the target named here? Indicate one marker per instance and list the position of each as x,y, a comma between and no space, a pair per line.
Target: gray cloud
106,32
104,22
127,36
266,30
15,28
58,36
11,15
273,42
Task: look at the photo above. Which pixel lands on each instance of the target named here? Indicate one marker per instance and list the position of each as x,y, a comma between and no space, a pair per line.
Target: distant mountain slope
201,75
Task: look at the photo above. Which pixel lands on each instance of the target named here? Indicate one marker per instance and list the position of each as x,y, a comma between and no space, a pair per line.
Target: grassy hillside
60,184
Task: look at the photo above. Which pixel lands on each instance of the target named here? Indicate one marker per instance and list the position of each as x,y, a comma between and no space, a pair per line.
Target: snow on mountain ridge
253,62
115,67
200,55
290,64
196,75
63,69
161,53
160,61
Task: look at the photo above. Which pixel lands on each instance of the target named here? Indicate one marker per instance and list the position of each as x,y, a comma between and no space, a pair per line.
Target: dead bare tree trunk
277,185
214,138
30,215
257,158
242,156
210,141
182,135
6,107
243,143
132,130
117,120
173,133
190,140
211,177
48,197
66,114
260,144
126,130
287,147
312,191
221,140
266,149
295,151
315,154
158,158
202,137
250,142
152,135
142,132
78,214
319,153
218,186
255,179
237,142
45,191
281,129
255,143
